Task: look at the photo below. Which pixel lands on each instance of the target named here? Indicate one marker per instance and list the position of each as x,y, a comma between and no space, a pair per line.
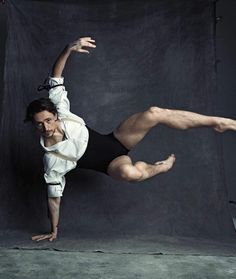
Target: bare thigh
133,129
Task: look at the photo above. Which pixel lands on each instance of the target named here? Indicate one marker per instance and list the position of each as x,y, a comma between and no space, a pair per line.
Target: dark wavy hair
38,106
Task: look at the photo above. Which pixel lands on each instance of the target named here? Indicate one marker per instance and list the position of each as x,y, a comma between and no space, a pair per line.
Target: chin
48,135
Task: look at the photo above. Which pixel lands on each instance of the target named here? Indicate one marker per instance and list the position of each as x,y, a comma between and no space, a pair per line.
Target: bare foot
223,124
166,165
150,170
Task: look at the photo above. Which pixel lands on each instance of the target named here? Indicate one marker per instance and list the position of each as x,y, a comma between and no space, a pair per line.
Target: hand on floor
50,237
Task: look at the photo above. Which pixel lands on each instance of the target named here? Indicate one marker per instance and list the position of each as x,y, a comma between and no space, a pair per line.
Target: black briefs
101,150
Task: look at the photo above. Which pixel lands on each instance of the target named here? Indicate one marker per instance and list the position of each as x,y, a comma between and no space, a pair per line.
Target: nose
46,126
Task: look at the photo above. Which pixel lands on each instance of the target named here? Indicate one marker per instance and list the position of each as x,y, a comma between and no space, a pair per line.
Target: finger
83,50
87,44
37,236
52,238
85,38
90,40
43,238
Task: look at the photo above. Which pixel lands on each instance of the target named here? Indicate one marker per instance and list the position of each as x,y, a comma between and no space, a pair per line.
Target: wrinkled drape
148,53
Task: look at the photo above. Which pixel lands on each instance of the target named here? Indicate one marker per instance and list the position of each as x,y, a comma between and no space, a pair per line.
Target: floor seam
119,253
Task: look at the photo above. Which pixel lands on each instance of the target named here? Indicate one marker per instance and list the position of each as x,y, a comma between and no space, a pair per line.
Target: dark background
101,206
226,83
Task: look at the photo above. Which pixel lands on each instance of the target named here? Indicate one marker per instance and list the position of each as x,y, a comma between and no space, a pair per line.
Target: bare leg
122,168
133,129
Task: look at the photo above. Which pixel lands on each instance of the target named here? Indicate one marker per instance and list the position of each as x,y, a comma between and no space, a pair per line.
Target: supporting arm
54,209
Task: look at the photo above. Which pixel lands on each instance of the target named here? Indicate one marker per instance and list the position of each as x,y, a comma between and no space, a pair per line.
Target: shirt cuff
54,191
55,81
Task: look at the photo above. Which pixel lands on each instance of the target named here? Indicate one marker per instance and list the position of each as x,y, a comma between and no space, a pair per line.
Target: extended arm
54,210
55,181
77,46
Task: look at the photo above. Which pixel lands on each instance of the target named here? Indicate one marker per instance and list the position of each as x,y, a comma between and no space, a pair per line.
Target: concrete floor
116,258
55,264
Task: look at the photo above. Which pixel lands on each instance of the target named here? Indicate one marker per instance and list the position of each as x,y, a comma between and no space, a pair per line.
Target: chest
57,137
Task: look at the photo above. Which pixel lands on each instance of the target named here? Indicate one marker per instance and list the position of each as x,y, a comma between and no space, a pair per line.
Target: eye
39,125
49,120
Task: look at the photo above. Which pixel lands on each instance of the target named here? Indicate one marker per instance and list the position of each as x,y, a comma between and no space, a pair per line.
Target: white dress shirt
62,157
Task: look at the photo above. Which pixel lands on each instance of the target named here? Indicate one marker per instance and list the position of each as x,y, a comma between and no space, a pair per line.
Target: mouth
48,133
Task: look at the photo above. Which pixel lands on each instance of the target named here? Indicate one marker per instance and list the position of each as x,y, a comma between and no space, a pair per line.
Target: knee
155,112
129,173
140,165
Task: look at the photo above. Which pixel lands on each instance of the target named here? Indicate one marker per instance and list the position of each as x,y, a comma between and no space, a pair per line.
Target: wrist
54,230
69,47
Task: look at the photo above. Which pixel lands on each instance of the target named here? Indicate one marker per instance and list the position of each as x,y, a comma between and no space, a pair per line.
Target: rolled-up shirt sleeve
58,95
55,184
54,176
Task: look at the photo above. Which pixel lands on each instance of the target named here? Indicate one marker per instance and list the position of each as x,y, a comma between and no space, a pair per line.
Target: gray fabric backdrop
153,53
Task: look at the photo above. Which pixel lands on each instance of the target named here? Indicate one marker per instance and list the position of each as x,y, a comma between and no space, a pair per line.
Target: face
46,123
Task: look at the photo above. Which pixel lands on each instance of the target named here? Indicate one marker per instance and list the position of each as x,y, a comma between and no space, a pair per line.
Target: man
68,142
